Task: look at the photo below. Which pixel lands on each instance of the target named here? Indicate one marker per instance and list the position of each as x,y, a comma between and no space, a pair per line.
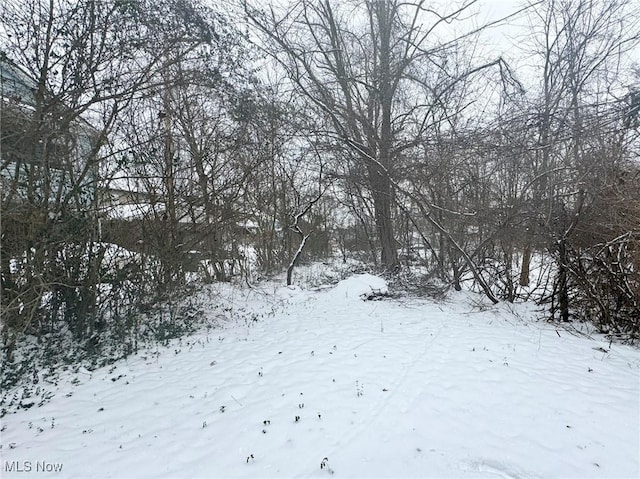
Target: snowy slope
327,383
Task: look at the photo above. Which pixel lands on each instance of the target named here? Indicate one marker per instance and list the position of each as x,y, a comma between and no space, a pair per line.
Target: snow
298,383
359,286
134,211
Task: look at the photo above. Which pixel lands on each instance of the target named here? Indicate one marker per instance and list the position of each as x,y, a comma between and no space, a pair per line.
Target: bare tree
582,45
372,81
81,65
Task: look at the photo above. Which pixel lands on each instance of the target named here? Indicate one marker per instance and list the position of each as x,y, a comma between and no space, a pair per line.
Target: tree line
245,137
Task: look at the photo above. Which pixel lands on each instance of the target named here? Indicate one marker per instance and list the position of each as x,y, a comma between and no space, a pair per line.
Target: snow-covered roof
134,211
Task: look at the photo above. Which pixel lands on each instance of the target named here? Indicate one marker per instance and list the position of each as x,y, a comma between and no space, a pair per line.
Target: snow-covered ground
324,383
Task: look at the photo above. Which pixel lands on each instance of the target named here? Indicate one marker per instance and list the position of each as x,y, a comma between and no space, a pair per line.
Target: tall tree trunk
526,265
381,191
563,286
385,13
169,185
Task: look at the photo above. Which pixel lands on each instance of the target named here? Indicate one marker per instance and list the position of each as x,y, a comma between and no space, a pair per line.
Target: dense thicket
147,146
